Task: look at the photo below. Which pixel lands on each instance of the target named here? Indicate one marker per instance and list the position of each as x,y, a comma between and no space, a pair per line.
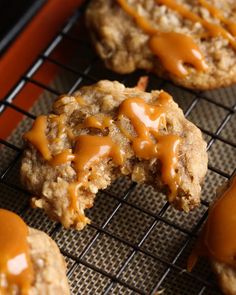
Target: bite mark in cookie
116,131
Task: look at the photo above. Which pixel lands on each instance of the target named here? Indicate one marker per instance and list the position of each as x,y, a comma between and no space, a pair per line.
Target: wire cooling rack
137,243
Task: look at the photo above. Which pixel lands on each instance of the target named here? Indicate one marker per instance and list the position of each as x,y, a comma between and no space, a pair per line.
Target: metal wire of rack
136,244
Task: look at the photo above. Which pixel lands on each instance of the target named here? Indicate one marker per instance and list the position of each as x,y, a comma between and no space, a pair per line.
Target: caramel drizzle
62,158
80,101
174,58
147,121
218,240
147,143
99,123
16,270
217,14
163,45
37,136
73,195
214,30
89,149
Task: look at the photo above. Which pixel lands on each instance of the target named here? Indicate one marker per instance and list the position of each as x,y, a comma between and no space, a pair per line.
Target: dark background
14,15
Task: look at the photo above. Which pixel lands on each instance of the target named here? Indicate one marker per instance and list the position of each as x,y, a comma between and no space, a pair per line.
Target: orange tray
23,52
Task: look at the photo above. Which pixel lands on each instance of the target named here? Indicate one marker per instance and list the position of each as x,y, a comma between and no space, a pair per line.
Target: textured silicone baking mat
136,244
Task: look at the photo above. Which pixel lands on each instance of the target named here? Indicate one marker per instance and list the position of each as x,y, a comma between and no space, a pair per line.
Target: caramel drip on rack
214,30
16,270
37,136
173,49
148,143
99,123
218,239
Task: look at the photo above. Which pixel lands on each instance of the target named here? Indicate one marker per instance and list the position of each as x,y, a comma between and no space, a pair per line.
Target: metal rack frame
8,102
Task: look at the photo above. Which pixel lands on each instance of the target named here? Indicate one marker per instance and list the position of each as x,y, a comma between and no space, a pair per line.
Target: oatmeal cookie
191,43
217,239
49,265
104,131
30,261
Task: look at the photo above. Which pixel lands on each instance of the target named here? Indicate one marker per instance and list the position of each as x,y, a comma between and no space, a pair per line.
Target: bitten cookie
192,43
104,131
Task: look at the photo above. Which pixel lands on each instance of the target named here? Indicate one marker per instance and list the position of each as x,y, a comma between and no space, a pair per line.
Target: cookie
30,261
191,43
217,240
102,132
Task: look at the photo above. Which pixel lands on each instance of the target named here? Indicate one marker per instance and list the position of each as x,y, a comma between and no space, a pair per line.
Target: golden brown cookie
217,240
104,131
192,43
30,261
